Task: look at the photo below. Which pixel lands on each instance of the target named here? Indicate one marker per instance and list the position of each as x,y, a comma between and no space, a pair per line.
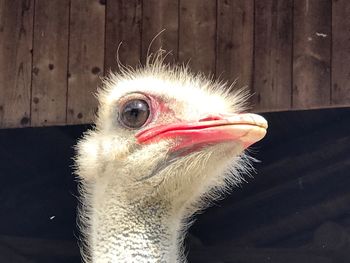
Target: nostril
211,118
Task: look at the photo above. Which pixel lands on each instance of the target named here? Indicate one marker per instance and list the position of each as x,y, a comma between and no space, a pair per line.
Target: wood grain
50,59
273,55
16,33
341,53
197,35
235,33
312,54
86,59
292,54
123,26
157,16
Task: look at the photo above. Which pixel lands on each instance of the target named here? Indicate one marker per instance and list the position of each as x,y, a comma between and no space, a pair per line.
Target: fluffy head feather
110,149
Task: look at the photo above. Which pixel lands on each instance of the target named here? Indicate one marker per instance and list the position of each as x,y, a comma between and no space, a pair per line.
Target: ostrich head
164,143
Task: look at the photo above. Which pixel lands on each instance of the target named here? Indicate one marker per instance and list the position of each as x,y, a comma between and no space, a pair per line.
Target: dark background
296,208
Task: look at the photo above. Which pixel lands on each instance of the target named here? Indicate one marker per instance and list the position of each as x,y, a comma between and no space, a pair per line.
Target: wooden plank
157,16
123,26
86,59
50,62
235,33
311,54
197,35
16,33
341,53
273,55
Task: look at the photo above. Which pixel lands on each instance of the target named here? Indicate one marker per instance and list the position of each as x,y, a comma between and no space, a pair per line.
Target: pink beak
243,128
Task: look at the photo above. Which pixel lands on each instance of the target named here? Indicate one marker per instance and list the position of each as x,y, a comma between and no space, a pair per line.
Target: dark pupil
135,113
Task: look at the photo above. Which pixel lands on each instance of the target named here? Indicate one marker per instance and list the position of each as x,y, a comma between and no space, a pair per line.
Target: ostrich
165,143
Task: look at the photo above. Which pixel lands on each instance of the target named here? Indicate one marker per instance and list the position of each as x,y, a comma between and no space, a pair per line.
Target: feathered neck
121,230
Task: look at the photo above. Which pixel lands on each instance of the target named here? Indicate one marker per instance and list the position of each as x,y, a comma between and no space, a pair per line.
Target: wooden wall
293,54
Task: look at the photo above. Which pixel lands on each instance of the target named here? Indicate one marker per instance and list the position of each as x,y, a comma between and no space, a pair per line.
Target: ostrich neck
140,231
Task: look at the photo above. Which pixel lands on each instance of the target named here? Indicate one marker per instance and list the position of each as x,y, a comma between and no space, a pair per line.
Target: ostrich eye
134,113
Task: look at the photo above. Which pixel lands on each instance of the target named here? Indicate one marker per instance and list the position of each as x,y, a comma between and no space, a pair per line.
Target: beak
238,128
